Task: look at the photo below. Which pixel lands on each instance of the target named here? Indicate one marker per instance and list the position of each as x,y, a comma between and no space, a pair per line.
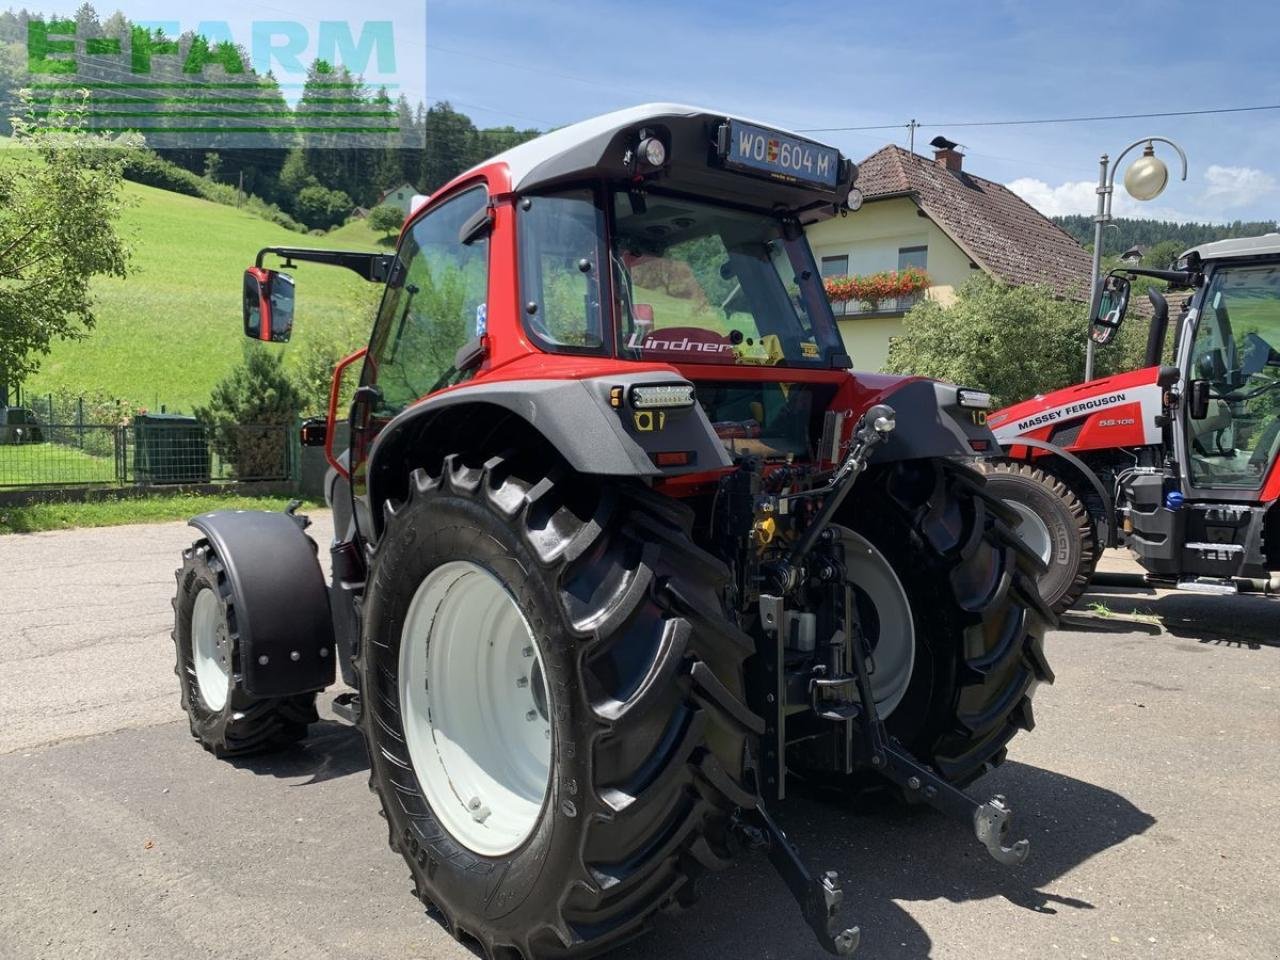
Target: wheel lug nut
522,682
527,652
531,716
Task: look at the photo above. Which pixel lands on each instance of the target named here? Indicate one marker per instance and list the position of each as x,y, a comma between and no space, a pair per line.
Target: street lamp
1144,180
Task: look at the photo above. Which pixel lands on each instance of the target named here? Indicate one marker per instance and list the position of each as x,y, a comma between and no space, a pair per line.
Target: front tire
1053,523
227,721
641,705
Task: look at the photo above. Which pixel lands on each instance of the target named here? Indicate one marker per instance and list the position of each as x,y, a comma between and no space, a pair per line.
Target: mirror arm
374,267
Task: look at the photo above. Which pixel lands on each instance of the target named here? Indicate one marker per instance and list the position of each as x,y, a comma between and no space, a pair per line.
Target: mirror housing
268,305
1198,400
1112,299
314,432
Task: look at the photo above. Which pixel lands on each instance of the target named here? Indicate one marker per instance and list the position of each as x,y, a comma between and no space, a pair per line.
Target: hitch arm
818,898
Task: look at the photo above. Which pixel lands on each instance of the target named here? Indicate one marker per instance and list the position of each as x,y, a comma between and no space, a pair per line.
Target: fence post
80,421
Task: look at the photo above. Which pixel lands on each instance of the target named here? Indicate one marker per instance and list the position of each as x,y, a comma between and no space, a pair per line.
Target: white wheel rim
1033,531
893,654
210,650
475,709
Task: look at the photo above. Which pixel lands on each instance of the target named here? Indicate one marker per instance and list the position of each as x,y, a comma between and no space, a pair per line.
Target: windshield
696,283
1237,350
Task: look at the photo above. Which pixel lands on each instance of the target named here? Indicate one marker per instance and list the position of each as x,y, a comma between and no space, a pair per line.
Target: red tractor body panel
1104,414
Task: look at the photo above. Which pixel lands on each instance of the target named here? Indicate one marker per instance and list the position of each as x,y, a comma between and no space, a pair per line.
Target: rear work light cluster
973,399
662,396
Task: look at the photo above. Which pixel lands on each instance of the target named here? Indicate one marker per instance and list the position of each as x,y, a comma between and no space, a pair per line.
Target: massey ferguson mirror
268,305
1113,301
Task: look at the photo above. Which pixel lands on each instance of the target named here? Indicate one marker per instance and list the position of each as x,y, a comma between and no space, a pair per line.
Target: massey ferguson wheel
1053,523
227,721
947,599
553,704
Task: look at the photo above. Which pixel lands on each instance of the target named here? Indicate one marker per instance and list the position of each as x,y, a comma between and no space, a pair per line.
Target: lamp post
1145,180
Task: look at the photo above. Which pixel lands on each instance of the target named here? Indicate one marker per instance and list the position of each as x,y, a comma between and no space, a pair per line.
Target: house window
836,267
908,257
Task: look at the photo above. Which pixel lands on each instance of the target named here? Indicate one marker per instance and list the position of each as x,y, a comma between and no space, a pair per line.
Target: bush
386,219
251,415
320,208
1012,341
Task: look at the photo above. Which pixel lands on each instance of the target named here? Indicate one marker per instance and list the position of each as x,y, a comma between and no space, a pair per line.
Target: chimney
946,155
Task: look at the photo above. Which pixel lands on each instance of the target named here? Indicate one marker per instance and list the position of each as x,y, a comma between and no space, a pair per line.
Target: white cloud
1081,196
1076,196
1236,186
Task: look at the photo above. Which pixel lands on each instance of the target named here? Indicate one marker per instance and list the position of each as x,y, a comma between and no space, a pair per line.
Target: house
400,197
935,215
1133,255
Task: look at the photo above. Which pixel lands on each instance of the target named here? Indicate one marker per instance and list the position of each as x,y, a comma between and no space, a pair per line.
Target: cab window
561,253
1237,351
435,302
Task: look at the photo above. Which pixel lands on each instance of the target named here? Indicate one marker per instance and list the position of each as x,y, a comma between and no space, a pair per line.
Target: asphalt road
1148,790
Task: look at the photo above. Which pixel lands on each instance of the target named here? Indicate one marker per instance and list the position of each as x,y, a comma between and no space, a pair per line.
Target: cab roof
594,148
1266,245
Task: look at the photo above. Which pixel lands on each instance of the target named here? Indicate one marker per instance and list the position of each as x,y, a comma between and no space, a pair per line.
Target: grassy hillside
167,333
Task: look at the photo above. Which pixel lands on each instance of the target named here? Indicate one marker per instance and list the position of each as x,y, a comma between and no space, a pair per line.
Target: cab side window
435,302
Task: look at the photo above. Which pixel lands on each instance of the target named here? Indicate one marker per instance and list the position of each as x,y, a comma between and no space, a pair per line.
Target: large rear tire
227,721
1053,523
977,620
631,678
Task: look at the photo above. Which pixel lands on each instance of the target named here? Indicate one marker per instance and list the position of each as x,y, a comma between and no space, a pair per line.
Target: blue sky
543,63
816,64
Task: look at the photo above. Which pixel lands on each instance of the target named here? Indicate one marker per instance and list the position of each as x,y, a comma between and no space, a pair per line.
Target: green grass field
36,464
119,511
172,329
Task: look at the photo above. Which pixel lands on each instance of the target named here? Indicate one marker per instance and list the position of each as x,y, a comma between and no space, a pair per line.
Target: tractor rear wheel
947,600
227,721
1053,523
552,700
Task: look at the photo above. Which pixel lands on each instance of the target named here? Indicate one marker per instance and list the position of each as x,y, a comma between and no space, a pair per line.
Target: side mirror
1198,400
314,432
268,305
1112,298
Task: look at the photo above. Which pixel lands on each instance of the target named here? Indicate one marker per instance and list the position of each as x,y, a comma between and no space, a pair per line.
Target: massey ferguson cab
1178,463
624,553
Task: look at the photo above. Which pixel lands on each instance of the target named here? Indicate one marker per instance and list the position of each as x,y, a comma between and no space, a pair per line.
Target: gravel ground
1148,790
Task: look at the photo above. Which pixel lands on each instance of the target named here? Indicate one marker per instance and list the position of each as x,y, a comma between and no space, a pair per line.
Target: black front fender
278,598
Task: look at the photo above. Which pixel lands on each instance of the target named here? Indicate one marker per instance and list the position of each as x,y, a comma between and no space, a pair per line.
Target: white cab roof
1265,245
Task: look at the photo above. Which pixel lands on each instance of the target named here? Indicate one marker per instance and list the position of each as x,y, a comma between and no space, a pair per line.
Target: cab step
1216,586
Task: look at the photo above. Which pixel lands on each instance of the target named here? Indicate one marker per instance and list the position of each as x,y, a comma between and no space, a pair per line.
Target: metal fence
149,451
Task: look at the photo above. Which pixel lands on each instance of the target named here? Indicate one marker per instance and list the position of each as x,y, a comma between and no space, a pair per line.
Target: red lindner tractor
1176,462
623,551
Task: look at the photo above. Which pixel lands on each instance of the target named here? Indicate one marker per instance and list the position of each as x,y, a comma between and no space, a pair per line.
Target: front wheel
1053,523
227,721
553,704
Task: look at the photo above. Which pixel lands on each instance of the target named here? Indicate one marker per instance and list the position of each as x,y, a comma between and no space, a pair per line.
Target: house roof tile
993,225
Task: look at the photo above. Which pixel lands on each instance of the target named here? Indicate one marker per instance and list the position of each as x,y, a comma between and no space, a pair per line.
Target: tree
58,216
1012,341
250,413
320,208
386,219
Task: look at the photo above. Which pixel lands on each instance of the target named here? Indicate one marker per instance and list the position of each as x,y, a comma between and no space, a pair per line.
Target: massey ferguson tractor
623,554
1178,463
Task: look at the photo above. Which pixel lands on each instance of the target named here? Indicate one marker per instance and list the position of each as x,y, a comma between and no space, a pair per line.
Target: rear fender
278,599
575,418
931,423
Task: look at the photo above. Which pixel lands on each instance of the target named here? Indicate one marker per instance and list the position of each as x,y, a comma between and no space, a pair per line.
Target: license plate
779,156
